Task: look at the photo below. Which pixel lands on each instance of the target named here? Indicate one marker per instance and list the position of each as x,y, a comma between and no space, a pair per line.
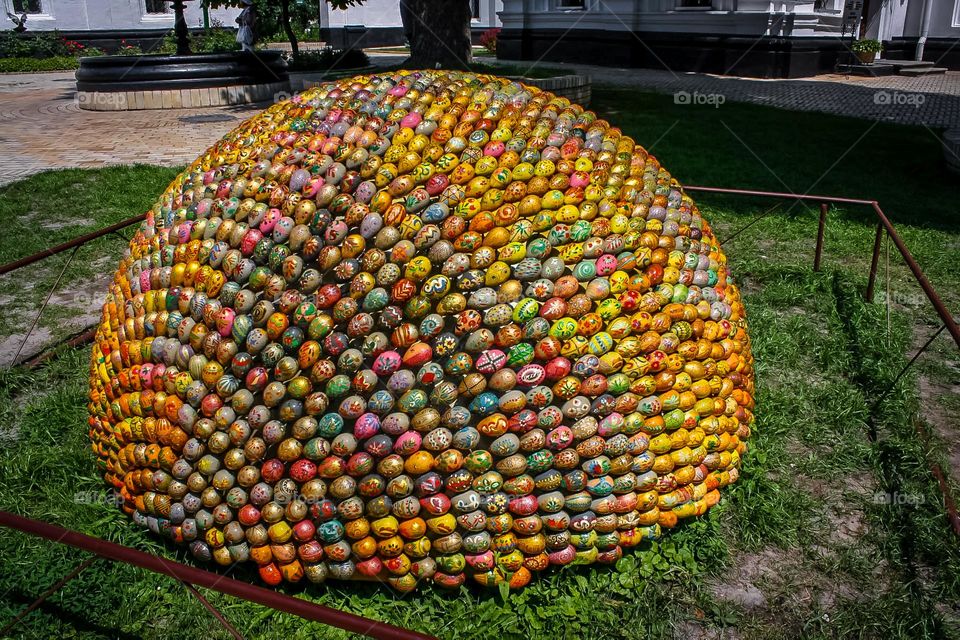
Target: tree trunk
291,36
439,33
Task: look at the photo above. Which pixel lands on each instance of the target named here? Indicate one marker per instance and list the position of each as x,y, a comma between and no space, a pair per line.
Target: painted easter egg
421,327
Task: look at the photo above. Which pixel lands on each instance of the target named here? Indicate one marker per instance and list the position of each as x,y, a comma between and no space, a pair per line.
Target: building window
474,9
27,6
694,4
153,7
570,4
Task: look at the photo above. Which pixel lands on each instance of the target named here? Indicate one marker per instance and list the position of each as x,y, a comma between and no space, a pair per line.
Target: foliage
213,40
80,50
43,45
328,58
303,17
488,39
217,40
73,47
52,45
33,45
867,46
127,49
33,65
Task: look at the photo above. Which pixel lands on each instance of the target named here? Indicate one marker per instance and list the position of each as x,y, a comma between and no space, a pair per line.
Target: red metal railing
70,244
192,576
207,579
883,225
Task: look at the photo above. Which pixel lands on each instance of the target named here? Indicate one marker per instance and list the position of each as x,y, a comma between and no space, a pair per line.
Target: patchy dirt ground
785,586
73,307
939,386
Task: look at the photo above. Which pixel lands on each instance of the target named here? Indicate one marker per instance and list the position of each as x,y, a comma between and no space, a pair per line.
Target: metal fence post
824,207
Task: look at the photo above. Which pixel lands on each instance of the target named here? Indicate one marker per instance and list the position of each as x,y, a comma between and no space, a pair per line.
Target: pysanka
421,326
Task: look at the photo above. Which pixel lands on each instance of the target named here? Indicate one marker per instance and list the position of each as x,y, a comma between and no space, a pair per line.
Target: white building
765,38
902,24
377,22
373,23
111,15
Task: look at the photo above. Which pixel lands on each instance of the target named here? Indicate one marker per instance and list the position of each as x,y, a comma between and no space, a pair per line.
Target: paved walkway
41,126
933,101
930,100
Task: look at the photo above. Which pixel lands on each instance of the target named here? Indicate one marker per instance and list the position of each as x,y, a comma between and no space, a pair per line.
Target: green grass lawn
806,544
51,208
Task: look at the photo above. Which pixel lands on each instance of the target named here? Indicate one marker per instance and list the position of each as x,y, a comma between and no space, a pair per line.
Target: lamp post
180,28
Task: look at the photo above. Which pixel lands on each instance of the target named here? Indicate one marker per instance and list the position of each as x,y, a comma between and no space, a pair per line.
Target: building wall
386,13
889,18
113,15
372,13
377,23
758,38
899,24
723,17
903,18
489,14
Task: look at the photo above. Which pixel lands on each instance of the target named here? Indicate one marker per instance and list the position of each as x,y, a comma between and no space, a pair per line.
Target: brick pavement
933,101
41,127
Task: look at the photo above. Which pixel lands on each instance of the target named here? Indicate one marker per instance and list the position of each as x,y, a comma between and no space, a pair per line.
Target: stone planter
575,87
866,57
303,80
120,83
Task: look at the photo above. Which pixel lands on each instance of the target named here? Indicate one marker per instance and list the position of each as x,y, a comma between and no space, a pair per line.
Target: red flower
488,39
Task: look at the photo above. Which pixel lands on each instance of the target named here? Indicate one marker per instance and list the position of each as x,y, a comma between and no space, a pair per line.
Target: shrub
866,46
36,45
209,41
79,50
488,39
126,49
328,58
31,65
310,33
217,40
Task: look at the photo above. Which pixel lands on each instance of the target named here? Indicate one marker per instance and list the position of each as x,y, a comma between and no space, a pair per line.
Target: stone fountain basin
117,83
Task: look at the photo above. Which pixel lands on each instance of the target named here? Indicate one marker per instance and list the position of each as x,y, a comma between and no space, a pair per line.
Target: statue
19,21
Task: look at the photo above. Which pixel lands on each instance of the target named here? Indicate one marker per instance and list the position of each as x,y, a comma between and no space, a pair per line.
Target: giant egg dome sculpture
423,325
